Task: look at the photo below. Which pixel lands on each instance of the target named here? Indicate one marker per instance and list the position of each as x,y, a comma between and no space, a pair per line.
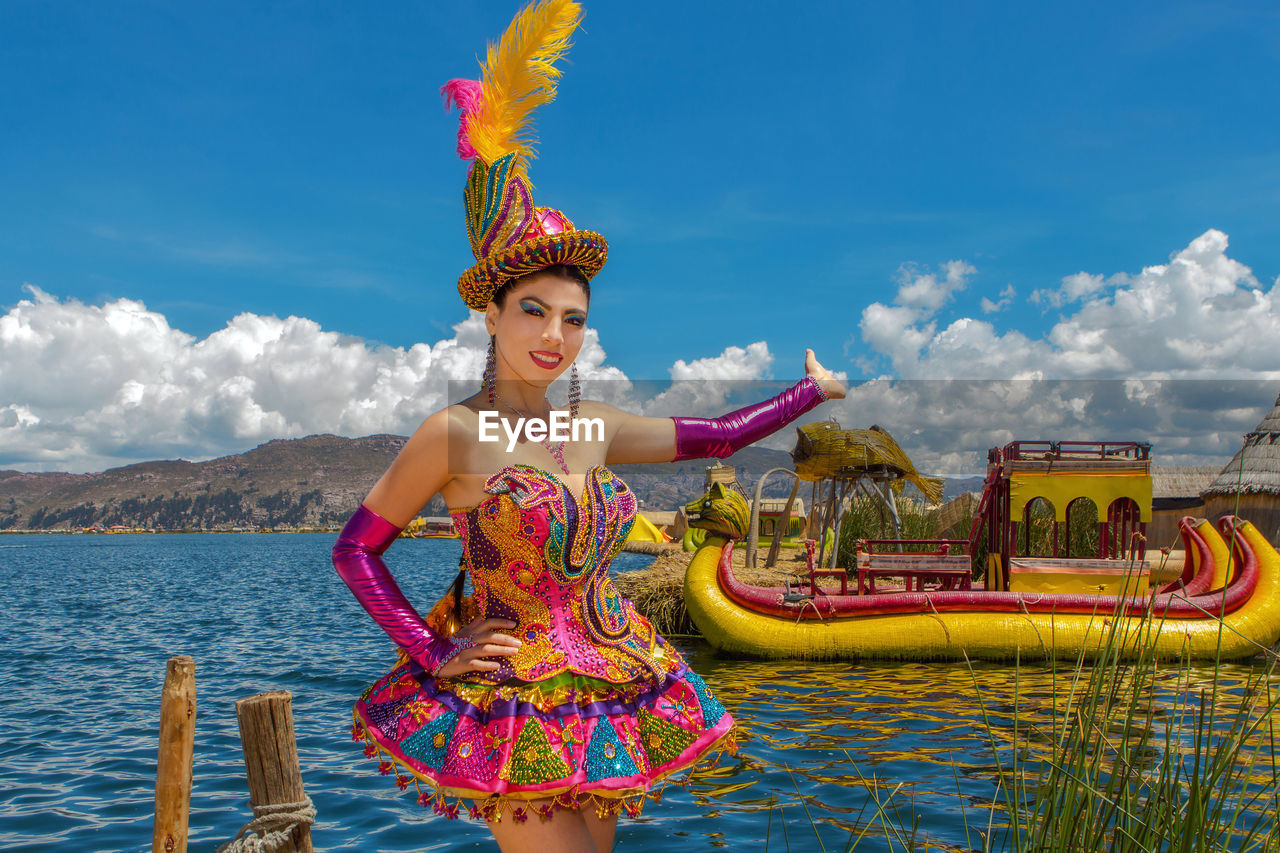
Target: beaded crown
509,235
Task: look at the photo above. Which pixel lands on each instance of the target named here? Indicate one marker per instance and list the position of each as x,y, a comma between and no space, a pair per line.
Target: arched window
1038,532
1081,537
1124,534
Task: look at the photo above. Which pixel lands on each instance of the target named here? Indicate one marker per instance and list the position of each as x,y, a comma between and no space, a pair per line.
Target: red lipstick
547,360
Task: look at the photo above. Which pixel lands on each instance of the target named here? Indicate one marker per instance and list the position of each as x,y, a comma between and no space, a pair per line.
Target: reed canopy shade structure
842,462
1249,485
824,451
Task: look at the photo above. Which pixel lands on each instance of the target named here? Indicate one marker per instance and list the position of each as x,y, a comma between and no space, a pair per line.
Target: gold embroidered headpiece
509,235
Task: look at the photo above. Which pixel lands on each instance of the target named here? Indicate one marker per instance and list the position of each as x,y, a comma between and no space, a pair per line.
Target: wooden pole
173,764
813,508
845,486
271,757
827,511
891,503
753,529
783,524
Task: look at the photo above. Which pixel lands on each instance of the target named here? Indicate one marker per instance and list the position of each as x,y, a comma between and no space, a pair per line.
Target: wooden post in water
271,757
173,765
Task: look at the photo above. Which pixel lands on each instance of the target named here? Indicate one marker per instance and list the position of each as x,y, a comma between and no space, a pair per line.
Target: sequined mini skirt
571,741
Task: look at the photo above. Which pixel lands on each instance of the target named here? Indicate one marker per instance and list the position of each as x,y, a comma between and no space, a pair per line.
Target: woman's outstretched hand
826,379
489,642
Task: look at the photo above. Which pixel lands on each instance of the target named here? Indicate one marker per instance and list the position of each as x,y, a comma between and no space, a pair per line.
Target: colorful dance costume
595,707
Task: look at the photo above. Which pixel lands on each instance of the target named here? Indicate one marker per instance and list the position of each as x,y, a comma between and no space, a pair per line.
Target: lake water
90,621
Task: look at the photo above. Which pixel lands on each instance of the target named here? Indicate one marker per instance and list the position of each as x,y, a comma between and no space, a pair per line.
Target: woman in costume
556,700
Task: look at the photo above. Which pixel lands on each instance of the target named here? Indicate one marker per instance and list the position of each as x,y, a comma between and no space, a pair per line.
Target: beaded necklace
557,449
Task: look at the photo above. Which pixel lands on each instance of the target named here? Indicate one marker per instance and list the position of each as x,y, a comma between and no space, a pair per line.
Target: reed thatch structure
955,517
823,450
849,460
1175,492
1249,485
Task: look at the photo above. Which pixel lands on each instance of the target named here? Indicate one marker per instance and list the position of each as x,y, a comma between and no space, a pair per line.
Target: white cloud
734,363
946,426
95,385
703,387
85,387
1202,315
925,293
1006,299
1076,287
901,330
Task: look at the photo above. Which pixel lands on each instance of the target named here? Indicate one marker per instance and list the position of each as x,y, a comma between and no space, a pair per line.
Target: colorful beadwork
468,755
663,741
533,760
607,756
428,743
712,710
594,709
387,715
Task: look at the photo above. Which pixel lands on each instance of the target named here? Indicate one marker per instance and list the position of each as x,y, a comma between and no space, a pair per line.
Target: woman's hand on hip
488,640
827,380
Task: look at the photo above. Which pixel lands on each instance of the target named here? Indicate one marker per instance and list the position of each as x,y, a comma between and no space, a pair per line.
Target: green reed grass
1138,754
869,519
1141,757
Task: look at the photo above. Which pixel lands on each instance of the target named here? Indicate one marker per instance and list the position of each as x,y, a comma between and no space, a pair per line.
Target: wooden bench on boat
948,566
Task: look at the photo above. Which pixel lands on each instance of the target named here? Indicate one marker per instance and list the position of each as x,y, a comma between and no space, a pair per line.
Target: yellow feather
519,76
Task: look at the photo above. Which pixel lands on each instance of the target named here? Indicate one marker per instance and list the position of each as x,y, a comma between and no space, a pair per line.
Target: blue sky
763,171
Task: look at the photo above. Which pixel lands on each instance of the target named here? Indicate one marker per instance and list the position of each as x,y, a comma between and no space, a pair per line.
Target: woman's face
538,331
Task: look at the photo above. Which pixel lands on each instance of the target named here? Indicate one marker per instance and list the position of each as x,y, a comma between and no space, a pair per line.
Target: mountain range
298,484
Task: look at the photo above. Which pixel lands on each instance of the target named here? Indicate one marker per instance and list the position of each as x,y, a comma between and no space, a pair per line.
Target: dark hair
565,271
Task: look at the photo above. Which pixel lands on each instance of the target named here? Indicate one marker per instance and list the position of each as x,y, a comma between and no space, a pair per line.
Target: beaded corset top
539,556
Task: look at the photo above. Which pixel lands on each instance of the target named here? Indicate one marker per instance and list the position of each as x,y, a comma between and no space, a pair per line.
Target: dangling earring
490,373
575,391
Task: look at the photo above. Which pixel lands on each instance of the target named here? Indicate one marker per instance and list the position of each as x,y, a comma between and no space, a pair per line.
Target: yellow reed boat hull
1000,636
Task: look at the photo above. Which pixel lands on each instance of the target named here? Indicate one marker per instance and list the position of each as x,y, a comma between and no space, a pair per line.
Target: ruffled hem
569,742
492,806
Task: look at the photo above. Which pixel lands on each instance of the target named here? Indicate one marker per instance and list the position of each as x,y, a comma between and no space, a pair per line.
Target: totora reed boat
1224,604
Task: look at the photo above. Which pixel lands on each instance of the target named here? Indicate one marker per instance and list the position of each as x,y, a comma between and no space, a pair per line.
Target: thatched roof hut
1175,492
1249,485
721,473
1181,483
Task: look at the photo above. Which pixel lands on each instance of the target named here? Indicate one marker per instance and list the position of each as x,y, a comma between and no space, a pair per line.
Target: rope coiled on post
276,822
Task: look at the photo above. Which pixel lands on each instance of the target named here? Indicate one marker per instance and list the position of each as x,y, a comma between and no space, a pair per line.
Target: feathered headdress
509,236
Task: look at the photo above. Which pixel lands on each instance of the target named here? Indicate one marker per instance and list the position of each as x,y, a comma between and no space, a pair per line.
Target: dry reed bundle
637,546
658,590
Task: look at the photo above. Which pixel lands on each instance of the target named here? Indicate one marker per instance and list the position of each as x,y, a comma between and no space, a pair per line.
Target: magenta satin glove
697,438
357,555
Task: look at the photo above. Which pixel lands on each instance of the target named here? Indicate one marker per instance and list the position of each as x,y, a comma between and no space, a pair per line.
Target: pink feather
467,96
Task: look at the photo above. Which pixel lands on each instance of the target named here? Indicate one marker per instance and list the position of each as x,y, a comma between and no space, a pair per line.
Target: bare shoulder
612,417
598,409
443,425
419,471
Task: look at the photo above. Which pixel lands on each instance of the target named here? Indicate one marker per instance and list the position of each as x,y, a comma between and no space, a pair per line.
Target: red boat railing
1015,451
944,549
